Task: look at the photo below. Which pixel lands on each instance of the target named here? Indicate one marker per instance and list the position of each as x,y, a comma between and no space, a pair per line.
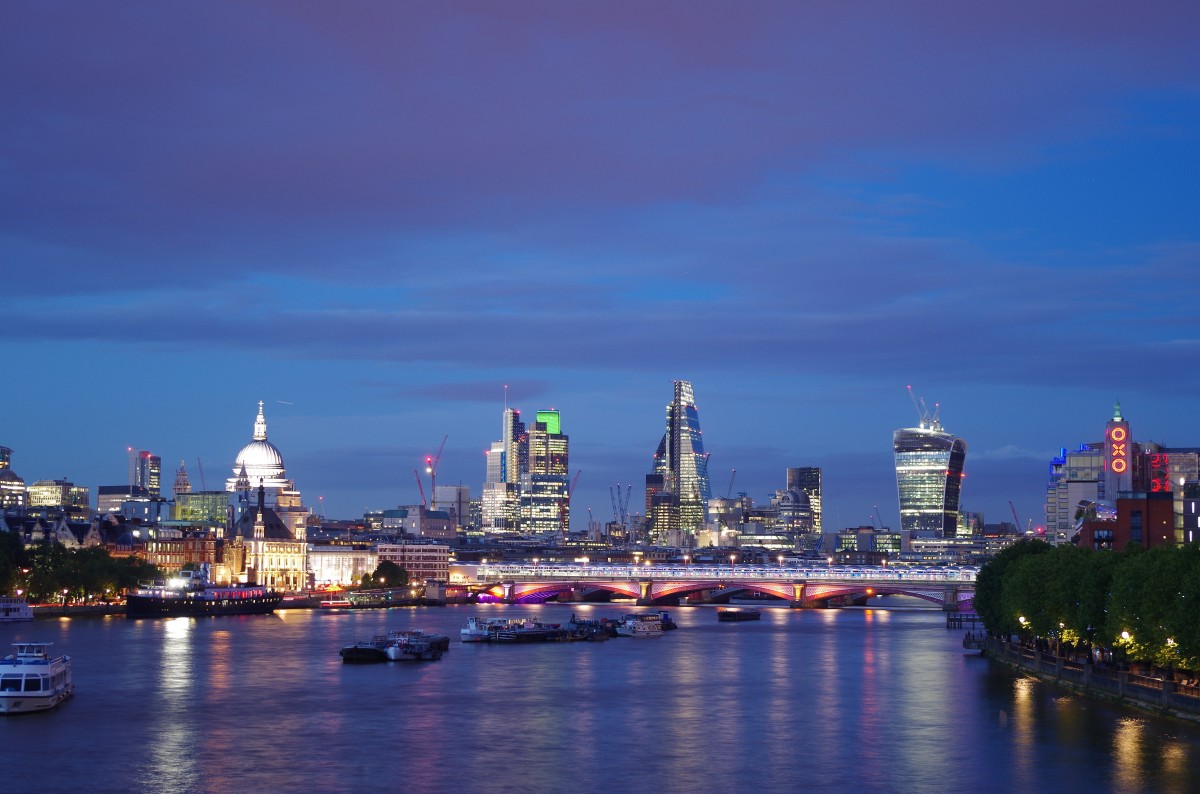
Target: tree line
1142,605
49,571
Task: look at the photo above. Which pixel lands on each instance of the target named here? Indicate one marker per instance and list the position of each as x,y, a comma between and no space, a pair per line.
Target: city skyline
374,219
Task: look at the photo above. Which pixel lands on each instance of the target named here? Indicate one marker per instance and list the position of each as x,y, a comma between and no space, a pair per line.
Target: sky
375,217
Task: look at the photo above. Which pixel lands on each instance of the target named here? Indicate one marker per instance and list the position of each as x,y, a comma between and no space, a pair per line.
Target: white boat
641,625
484,629
411,647
31,680
14,609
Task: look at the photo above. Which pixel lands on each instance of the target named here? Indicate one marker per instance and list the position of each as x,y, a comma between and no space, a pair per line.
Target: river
882,700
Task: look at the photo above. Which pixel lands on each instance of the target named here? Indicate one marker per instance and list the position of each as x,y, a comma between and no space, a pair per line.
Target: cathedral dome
259,455
259,461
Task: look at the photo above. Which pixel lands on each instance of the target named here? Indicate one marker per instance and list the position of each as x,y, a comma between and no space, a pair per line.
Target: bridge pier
950,598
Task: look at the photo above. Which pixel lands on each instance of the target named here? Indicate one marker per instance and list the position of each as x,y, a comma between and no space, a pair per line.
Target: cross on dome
260,424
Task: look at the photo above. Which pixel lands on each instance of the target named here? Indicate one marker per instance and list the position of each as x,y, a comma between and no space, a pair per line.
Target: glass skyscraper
929,472
682,464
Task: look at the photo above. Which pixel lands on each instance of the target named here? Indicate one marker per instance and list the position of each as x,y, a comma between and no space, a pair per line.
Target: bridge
952,588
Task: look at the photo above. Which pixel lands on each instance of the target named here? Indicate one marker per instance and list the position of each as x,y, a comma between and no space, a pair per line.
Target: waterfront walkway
1174,693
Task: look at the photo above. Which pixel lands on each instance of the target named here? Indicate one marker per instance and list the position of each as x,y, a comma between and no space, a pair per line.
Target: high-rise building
807,480
682,464
145,471
12,487
929,473
544,485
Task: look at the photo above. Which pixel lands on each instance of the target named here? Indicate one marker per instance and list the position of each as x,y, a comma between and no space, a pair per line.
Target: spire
243,480
260,424
1117,412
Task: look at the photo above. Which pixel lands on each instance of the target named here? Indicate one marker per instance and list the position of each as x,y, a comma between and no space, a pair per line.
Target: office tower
807,480
681,461
72,499
12,487
544,483
500,500
145,471
457,500
929,472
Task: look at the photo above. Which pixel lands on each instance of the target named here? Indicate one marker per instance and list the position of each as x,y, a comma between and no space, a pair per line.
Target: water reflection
819,700
171,737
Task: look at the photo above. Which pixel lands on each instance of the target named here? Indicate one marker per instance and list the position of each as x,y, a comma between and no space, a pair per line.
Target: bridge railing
883,573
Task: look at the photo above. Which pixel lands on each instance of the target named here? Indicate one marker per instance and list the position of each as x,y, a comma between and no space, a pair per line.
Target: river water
880,700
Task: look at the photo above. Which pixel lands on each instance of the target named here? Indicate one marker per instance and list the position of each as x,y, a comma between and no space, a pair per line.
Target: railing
1175,697
883,573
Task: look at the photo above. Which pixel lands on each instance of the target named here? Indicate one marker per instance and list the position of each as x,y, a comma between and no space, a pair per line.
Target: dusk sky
373,216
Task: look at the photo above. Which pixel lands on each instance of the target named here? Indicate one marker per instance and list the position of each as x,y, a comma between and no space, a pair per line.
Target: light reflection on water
819,700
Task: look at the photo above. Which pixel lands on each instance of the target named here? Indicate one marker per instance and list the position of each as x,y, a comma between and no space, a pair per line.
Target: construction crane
431,464
732,477
200,466
420,488
1016,521
879,516
574,482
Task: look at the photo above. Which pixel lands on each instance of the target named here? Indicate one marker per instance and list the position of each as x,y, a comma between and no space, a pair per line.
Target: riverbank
1157,694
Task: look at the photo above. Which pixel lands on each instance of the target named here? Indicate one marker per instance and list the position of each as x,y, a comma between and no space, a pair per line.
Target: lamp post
781,562
732,560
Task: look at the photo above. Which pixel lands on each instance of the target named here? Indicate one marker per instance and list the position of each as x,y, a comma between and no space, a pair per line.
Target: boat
191,594
439,641
32,680
374,650
529,631
336,603
481,629
737,614
411,647
646,624
14,609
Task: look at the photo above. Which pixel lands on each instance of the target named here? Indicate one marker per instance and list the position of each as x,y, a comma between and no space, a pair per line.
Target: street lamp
686,559
781,562
732,560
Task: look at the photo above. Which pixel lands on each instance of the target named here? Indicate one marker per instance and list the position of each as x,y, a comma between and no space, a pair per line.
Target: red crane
431,464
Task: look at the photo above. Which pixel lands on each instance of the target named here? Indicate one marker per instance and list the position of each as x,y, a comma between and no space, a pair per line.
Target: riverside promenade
1176,694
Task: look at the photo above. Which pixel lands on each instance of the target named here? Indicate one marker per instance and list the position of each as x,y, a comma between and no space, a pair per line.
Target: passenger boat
649,624
411,647
336,603
481,629
14,609
737,614
191,594
32,680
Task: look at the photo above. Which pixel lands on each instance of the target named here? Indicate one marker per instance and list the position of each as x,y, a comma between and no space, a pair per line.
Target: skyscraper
545,498
681,462
145,471
807,480
929,472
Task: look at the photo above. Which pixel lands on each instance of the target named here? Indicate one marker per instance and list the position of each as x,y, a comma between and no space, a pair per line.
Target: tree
990,605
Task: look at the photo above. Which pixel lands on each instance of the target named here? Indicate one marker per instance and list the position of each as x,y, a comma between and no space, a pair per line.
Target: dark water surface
803,700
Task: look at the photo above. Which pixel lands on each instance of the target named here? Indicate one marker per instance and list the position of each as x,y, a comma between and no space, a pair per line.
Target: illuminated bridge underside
536,592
